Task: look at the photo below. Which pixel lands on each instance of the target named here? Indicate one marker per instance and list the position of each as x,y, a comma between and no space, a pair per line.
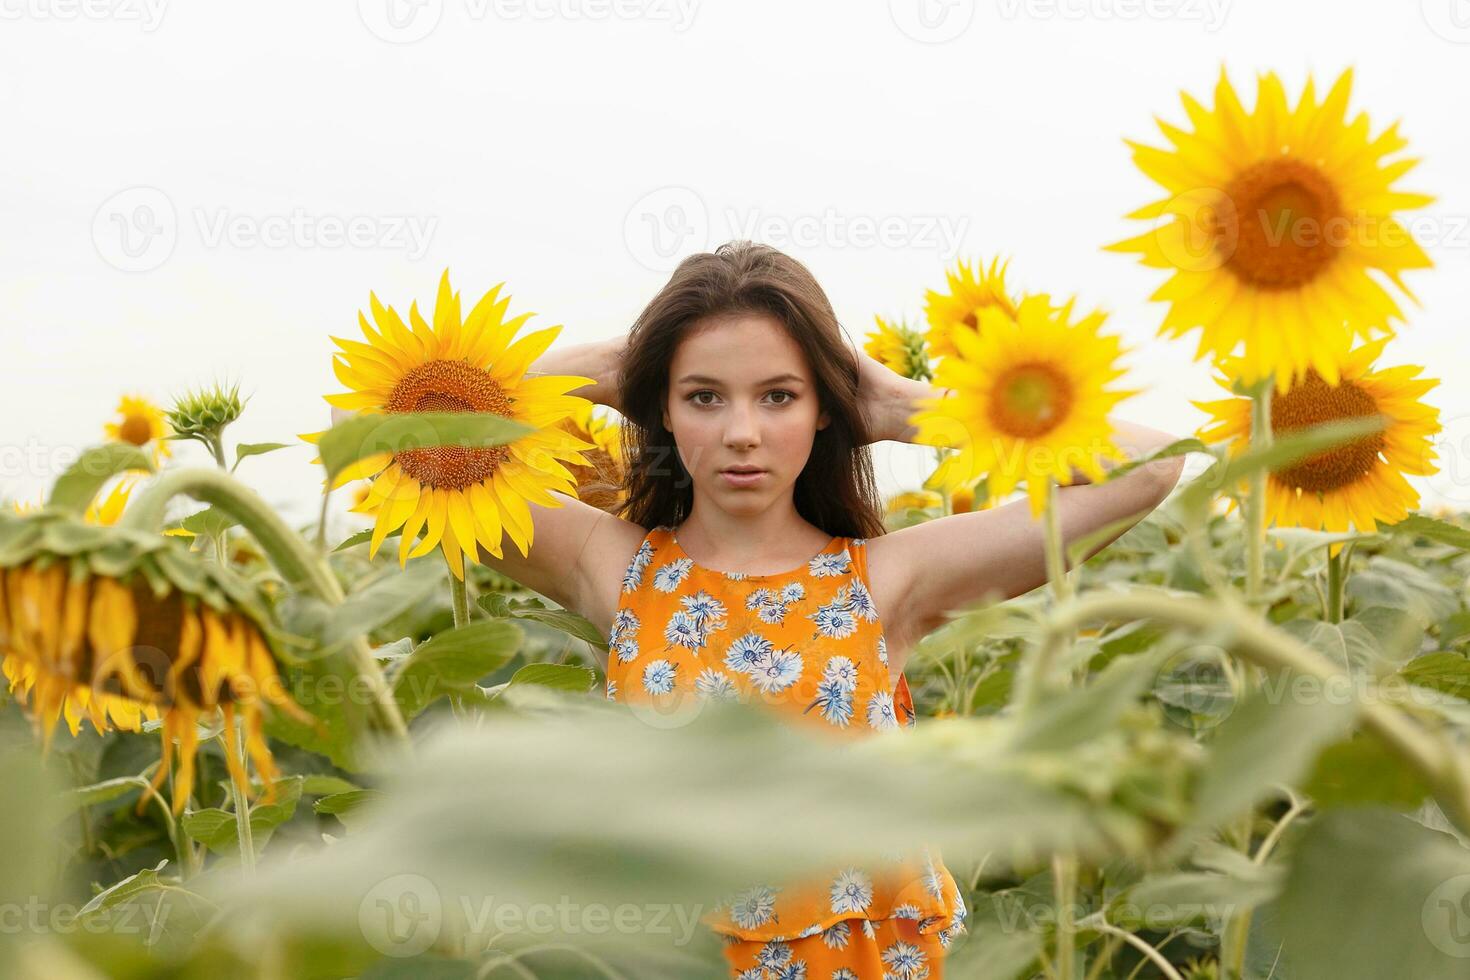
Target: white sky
540,141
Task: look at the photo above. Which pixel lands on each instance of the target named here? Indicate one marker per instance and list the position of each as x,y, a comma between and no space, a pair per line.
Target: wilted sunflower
900,348
133,616
1276,223
141,423
103,710
1358,483
970,291
461,497
600,480
1029,401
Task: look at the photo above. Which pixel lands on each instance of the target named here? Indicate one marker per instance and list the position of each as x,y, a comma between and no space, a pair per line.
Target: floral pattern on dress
808,644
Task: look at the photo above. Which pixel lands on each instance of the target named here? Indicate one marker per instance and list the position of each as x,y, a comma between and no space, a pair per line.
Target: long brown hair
835,491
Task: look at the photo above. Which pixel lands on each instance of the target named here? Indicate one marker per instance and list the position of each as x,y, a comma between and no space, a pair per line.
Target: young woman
750,562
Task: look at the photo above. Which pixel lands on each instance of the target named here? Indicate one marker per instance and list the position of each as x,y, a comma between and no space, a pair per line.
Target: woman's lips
748,478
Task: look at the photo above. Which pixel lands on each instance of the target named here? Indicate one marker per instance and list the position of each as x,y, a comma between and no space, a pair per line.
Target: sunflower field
1234,744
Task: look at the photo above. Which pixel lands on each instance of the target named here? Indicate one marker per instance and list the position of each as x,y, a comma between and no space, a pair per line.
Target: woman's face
741,395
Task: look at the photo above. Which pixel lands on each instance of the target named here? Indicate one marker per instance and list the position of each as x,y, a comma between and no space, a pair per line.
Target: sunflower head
970,290
1359,483
460,498
1278,228
1030,399
140,423
205,412
601,481
129,624
900,348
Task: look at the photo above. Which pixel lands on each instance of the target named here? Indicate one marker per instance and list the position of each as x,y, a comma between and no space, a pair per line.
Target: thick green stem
1064,878
1267,647
1056,555
301,567
1334,587
1255,509
460,599
236,734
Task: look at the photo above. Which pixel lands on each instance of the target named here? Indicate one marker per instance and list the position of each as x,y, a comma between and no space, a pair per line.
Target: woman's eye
694,397
788,397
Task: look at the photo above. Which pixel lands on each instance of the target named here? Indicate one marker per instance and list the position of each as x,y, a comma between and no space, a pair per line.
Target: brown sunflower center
450,386
1313,401
1030,400
1283,224
971,320
136,430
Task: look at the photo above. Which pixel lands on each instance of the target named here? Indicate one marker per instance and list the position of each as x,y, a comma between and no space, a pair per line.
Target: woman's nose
741,428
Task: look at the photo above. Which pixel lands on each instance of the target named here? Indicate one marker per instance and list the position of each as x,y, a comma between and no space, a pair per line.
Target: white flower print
680,630
754,907
841,670
860,601
868,929
883,650
792,592
779,671
905,961
809,931
773,955
933,880
737,576
707,612
627,649
833,619
773,613
748,652
843,973
758,598
670,574
791,971
716,685
905,912
633,577
754,973
837,937
625,621
852,891
771,606
658,677
835,700
824,566
880,712
612,690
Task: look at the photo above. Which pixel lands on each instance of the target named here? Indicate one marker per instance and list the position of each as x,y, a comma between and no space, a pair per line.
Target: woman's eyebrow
705,379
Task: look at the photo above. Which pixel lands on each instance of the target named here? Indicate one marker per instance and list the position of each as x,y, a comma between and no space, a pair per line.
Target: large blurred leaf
217,828
1363,770
1432,528
365,609
78,486
367,435
1372,894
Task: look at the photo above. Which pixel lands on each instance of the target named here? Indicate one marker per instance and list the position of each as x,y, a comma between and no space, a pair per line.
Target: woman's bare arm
598,359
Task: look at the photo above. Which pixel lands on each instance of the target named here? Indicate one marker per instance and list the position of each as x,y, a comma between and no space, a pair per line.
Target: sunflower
461,497
104,711
600,481
1277,227
900,348
141,423
132,617
970,291
1356,484
1030,401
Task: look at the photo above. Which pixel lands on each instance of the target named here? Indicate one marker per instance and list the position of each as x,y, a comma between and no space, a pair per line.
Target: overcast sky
202,190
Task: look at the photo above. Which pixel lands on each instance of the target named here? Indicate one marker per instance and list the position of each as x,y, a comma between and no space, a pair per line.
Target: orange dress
808,644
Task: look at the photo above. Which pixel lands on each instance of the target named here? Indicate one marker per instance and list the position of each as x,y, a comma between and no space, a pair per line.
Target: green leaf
1177,448
1400,585
345,806
1190,898
453,661
993,951
78,486
1432,528
130,887
1362,770
1448,673
390,595
1283,451
366,537
1414,919
366,435
216,829
208,522
561,677
318,784
108,789
1349,644
1271,738
1078,715
256,449
563,620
